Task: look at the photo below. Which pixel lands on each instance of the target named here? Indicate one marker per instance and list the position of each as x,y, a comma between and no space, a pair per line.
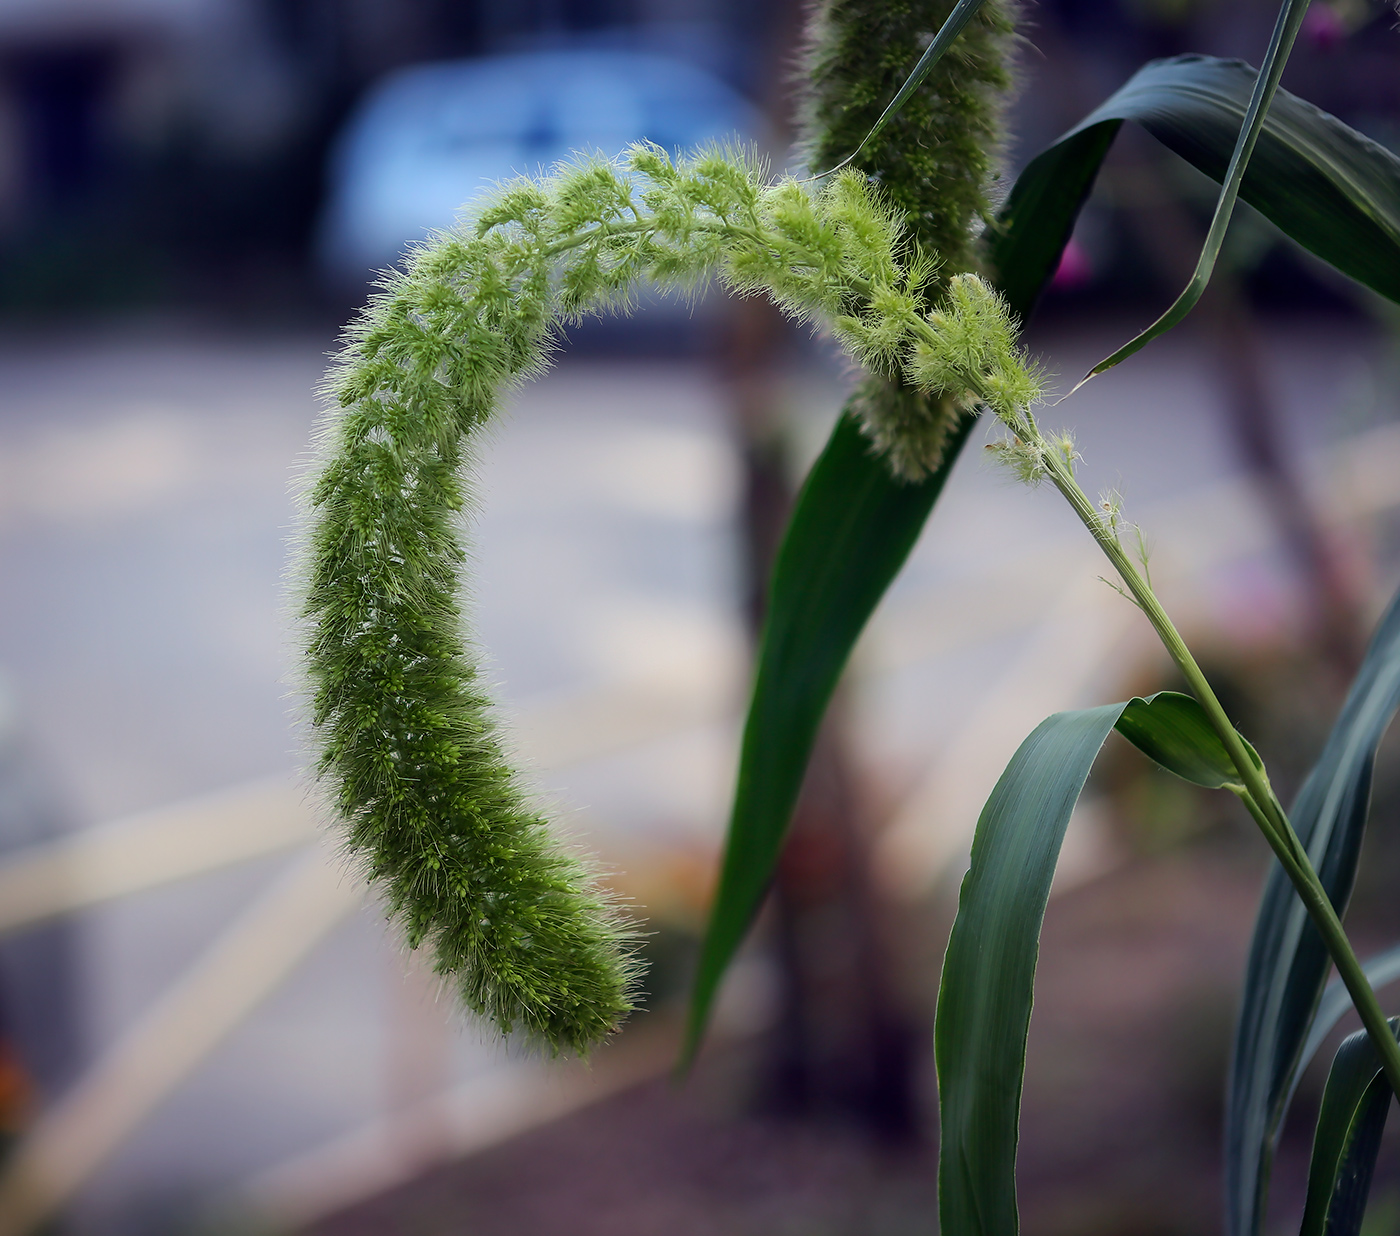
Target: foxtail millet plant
435,813
901,259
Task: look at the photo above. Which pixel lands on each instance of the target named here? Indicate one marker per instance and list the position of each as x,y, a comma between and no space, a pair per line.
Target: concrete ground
144,642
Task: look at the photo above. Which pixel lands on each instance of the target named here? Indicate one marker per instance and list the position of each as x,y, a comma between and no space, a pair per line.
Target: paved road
144,517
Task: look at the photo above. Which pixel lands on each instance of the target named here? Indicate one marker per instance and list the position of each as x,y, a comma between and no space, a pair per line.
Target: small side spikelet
433,810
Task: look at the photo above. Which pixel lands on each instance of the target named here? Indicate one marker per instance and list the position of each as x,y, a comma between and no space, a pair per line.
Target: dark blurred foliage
161,162
147,165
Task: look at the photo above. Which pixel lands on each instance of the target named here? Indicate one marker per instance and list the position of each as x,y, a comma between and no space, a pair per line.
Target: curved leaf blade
1288,962
1321,182
1173,730
850,532
984,998
1347,1139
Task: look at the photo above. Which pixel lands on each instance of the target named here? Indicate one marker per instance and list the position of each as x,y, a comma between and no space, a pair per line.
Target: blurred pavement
144,520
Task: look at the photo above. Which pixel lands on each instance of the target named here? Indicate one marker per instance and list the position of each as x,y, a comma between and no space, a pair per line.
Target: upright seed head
934,161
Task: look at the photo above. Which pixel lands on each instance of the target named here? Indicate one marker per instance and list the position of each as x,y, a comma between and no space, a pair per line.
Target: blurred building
176,150
159,149
429,138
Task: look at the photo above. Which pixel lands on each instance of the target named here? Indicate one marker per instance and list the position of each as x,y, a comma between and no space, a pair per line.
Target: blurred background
207,1028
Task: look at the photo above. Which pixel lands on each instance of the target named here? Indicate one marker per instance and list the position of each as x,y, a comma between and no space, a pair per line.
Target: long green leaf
1288,962
1333,191
851,530
984,1000
984,997
850,533
1346,1140
1290,21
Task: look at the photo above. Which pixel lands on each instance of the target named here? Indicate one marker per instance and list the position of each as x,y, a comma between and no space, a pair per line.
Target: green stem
1324,916
1255,792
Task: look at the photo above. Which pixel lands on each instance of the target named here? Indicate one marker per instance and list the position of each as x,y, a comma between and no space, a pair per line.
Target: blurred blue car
428,139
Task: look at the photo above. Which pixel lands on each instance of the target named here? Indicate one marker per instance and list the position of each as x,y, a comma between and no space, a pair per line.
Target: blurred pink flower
1323,28
1074,271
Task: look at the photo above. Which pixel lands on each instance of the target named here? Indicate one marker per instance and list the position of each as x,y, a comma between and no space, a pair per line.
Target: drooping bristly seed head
434,813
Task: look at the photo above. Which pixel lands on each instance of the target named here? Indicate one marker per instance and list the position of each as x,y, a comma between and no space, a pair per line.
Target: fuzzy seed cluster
934,161
435,815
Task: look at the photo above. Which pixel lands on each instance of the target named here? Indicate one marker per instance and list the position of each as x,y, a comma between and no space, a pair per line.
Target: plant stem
1255,791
